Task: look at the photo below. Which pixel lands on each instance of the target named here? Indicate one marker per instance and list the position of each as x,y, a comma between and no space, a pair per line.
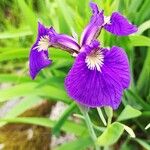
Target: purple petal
63,41
38,58
119,25
38,61
88,48
94,88
42,30
117,61
93,29
94,8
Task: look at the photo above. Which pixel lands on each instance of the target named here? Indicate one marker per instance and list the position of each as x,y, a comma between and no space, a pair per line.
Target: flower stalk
101,116
89,125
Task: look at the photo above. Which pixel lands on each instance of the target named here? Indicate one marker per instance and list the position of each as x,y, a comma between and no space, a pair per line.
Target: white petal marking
43,43
95,60
107,20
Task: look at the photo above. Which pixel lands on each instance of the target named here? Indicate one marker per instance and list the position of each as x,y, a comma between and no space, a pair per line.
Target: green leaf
129,130
22,106
147,127
136,98
135,4
31,88
128,113
79,144
114,5
111,134
139,40
16,34
70,127
14,54
19,53
12,78
29,15
144,77
63,118
143,12
143,143
143,27
64,8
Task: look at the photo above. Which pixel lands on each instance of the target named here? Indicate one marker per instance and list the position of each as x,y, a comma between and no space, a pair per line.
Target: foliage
18,19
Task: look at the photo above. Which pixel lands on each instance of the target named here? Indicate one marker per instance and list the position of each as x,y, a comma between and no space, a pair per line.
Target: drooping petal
63,41
37,61
117,61
97,88
93,29
38,58
119,25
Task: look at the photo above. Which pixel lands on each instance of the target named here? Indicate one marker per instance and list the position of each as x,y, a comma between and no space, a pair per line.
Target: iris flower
99,75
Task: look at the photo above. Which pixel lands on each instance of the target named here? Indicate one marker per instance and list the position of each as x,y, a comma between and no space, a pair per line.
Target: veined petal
97,88
38,58
119,25
37,61
117,61
63,41
93,29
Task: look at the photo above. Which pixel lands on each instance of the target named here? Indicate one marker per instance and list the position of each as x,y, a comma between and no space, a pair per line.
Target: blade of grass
63,118
16,34
143,27
79,144
66,13
29,15
70,127
144,77
140,40
32,88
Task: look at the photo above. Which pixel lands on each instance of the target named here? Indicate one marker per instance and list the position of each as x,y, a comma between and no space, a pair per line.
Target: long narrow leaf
69,127
63,118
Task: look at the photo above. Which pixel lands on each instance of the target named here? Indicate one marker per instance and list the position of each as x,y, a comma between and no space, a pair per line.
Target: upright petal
94,8
38,58
119,25
96,88
63,41
42,30
93,29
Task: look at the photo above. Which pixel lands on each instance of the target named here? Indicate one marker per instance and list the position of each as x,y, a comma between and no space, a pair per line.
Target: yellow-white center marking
95,60
43,43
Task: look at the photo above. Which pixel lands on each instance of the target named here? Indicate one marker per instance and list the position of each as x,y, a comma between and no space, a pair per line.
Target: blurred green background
32,101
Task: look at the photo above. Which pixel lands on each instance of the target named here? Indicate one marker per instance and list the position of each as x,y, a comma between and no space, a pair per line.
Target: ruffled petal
37,61
117,61
93,88
63,41
119,25
93,29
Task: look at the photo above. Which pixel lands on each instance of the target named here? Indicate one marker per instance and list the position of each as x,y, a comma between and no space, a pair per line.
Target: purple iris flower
47,37
99,75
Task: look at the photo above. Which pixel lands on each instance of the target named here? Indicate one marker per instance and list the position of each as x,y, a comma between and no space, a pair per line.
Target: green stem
109,113
101,116
89,125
